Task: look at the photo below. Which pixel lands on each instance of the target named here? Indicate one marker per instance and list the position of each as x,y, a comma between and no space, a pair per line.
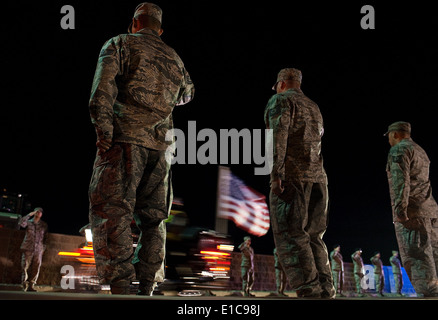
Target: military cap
288,74
399,126
148,9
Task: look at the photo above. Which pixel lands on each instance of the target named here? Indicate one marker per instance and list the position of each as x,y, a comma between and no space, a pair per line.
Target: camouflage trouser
379,278
338,280
247,274
280,279
358,276
30,265
398,280
299,224
419,253
129,182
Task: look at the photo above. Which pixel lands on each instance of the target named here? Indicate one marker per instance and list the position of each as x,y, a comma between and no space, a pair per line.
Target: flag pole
221,224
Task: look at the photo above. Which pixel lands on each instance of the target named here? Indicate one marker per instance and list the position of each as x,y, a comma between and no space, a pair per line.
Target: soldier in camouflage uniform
32,247
299,196
358,271
397,272
280,276
337,264
415,211
247,266
379,277
138,82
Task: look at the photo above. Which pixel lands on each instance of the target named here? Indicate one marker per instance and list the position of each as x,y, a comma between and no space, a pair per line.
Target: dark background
363,80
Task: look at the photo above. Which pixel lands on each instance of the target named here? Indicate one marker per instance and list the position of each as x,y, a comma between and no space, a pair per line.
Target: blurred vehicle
196,258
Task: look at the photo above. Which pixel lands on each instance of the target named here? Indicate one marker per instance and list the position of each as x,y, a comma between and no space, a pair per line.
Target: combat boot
121,287
146,288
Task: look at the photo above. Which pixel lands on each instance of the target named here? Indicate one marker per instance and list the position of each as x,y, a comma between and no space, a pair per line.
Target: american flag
242,204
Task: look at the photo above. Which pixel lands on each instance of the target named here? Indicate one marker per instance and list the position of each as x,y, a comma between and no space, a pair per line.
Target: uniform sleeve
278,118
24,221
187,91
104,89
400,172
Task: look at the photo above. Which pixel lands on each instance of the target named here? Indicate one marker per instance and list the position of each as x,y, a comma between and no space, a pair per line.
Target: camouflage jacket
137,83
358,266
409,185
337,261
395,264
247,256
36,234
297,126
378,265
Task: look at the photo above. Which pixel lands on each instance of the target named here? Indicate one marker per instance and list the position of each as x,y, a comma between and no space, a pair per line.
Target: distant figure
378,273
280,275
337,263
397,272
247,266
358,271
32,248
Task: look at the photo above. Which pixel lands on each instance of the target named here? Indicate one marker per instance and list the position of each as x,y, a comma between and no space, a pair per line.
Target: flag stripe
243,205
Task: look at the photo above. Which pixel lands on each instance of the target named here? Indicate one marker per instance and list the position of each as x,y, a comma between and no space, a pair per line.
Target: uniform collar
148,31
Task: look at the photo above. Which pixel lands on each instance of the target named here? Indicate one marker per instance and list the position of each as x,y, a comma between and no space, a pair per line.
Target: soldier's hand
412,224
402,219
276,187
103,145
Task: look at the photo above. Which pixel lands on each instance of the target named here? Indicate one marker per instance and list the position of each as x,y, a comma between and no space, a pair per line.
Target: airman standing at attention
415,211
138,82
397,272
299,194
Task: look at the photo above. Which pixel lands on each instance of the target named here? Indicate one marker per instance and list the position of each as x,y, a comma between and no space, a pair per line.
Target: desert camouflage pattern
297,126
138,82
411,197
129,183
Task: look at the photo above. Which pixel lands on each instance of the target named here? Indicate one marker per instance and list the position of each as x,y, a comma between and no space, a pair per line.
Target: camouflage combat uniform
280,275
337,264
411,196
299,215
397,273
247,268
358,271
138,82
32,248
379,277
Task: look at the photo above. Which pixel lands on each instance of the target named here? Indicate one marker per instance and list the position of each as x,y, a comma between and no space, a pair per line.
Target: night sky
362,80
